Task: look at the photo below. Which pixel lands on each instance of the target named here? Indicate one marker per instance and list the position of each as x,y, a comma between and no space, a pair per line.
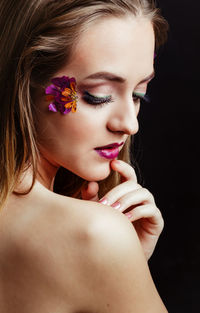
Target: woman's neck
45,176
46,173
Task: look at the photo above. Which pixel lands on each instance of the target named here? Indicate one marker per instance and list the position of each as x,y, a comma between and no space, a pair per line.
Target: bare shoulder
40,247
47,253
70,256
116,273
29,231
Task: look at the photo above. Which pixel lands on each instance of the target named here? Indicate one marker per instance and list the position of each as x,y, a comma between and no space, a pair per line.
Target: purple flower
62,94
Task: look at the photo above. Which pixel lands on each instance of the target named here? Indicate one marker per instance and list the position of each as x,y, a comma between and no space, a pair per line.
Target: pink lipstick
110,151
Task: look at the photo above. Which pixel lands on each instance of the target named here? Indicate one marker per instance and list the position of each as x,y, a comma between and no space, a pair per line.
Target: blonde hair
37,38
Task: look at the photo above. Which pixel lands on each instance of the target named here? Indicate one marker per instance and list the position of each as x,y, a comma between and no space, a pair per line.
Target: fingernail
103,201
116,205
129,215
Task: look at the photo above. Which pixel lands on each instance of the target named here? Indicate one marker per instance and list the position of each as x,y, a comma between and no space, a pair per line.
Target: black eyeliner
94,100
141,96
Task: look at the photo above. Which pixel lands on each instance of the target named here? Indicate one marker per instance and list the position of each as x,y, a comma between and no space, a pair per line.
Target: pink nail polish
103,201
129,215
116,205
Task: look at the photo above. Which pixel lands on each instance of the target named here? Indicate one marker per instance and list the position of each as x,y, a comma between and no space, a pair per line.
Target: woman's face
112,62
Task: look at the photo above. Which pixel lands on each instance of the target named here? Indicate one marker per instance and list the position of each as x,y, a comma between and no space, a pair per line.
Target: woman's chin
97,175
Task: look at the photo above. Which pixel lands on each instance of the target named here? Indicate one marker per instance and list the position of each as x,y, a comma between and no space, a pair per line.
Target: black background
166,150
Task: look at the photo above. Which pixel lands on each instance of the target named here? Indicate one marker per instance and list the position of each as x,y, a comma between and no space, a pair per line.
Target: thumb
90,191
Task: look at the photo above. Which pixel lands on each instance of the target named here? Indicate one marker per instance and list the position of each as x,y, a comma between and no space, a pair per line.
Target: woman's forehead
121,46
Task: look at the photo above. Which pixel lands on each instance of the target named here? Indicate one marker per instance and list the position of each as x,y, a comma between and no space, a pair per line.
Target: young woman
76,229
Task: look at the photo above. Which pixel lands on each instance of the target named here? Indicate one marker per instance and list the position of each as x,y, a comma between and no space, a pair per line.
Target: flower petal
73,84
74,108
52,107
68,105
59,99
49,97
67,92
51,90
66,111
61,82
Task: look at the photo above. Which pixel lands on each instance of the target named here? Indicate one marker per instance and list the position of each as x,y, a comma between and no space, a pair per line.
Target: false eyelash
94,100
144,98
100,101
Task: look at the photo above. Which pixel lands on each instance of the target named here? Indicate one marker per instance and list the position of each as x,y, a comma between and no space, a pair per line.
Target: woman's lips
110,151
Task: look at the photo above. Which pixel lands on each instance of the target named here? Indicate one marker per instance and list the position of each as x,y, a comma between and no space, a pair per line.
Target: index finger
126,171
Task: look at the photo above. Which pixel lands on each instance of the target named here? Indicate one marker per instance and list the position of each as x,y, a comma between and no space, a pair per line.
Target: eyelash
96,101
138,96
100,101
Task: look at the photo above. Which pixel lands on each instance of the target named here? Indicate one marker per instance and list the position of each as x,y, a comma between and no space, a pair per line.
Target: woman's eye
94,100
137,96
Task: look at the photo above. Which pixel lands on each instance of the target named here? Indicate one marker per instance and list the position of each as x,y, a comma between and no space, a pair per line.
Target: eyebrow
112,77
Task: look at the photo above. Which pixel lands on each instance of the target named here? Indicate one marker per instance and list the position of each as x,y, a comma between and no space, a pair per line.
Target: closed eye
95,100
100,101
137,96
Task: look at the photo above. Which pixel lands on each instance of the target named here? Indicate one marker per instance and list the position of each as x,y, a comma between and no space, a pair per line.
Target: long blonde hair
36,40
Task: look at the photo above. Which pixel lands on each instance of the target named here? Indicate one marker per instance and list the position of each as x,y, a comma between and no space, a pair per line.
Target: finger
90,191
154,221
126,171
129,184
135,197
118,192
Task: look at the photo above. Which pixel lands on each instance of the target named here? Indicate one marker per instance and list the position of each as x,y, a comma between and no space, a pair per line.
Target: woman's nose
124,119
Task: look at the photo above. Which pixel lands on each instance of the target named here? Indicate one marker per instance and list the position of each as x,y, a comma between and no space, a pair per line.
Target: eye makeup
101,100
140,96
95,100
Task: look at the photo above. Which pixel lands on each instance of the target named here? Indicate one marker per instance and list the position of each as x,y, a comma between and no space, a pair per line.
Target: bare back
41,249
65,255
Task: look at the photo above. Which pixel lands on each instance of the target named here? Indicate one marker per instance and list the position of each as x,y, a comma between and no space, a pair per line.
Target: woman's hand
135,202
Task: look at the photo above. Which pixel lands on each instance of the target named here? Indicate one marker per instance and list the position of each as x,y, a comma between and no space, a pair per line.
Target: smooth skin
64,255
136,201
